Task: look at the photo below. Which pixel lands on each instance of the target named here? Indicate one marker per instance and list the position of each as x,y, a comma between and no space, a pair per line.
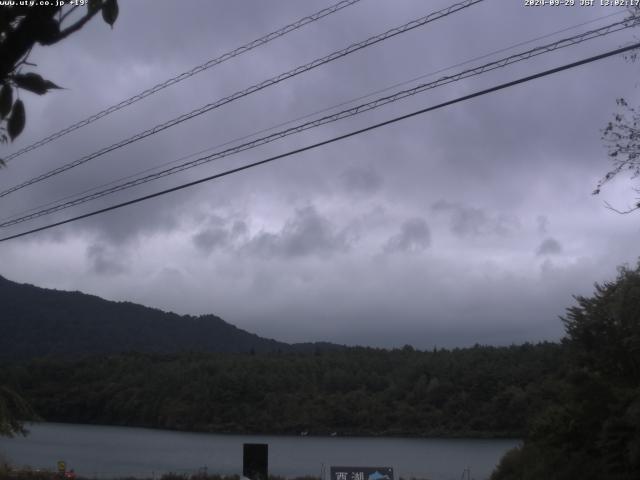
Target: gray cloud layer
307,233
414,236
549,246
470,224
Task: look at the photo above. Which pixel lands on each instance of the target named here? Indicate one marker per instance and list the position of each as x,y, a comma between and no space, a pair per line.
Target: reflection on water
118,451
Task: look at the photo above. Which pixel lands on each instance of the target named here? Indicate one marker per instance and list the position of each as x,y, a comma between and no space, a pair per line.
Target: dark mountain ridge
38,322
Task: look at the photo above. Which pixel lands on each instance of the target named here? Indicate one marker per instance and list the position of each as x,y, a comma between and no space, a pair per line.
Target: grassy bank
8,473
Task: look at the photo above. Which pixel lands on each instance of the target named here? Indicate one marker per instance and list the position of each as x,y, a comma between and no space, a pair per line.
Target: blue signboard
361,473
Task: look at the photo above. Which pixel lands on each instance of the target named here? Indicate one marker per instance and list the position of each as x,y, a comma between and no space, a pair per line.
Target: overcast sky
473,223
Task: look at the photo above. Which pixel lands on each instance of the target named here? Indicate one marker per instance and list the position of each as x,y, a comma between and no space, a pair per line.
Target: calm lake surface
103,452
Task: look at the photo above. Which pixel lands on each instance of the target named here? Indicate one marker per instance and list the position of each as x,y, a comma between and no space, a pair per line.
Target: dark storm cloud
126,228
104,261
549,246
211,238
219,233
472,221
307,233
414,237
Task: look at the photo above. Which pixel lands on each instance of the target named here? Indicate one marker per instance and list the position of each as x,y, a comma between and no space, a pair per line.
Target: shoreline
309,434
45,474
112,452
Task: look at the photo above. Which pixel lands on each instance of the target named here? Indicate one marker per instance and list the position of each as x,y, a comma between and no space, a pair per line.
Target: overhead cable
331,140
188,74
312,114
252,89
350,112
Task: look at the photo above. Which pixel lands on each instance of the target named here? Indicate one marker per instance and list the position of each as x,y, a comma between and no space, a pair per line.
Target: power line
190,73
337,116
254,88
317,112
501,63
332,140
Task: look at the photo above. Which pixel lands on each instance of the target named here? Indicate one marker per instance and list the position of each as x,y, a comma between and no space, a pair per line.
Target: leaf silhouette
110,11
15,125
33,82
6,100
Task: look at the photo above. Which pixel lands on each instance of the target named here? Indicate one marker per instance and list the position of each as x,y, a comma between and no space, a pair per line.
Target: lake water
104,452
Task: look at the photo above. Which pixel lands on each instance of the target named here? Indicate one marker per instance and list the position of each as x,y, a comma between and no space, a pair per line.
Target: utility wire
332,140
184,75
254,88
501,63
312,114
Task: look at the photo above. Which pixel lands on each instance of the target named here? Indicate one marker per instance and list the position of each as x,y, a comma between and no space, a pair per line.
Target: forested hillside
38,322
481,391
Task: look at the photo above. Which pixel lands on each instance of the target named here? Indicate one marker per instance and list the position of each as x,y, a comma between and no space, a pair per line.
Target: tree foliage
592,430
13,411
621,136
604,329
21,28
479,391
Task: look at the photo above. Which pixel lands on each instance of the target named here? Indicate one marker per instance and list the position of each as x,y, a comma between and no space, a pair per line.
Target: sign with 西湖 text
361,473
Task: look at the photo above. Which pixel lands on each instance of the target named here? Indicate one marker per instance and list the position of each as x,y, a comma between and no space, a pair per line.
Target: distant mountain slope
38,322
